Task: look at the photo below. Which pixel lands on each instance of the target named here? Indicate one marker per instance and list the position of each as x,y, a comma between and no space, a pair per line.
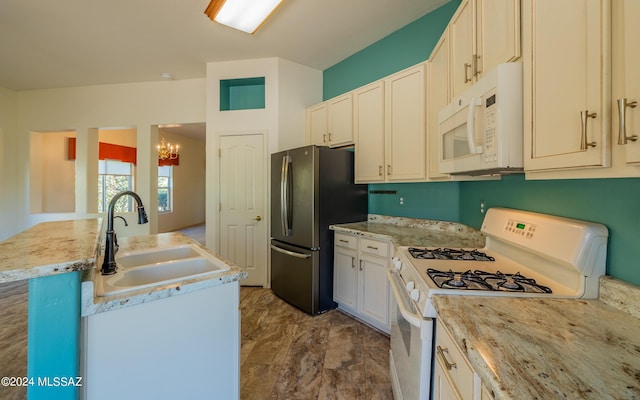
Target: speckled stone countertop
50,248
92,304
414,232
535,348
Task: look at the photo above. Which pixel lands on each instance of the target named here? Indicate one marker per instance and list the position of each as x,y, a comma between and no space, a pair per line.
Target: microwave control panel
490,134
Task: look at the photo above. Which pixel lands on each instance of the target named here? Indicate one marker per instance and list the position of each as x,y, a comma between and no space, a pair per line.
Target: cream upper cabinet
626,80
566,84
405,125
483,33
438,96
368,105
390,128
331,123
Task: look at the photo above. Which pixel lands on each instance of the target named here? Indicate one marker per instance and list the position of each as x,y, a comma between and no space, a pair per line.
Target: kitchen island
537,348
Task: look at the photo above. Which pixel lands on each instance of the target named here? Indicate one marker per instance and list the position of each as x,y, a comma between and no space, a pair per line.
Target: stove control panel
520,228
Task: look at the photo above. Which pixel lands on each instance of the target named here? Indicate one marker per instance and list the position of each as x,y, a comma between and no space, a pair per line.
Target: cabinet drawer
348,241
453,363
380,249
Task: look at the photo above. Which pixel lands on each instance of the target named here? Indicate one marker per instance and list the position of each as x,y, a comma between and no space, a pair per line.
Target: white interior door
243,226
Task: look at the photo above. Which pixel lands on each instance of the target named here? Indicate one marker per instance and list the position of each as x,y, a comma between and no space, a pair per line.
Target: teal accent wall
54,336
401,49
612,202
242,94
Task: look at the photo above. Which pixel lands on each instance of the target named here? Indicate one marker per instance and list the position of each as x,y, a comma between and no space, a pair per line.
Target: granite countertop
415,232
542,348
92,304
50,248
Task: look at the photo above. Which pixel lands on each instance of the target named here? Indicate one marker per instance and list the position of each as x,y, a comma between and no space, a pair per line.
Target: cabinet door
631,83
340,131
461,29
497,33
405,143
369,133
345,277
566,83
442,388
317,127
437,98
374,288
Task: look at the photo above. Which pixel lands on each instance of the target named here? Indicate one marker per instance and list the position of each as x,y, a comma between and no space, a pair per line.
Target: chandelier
166,151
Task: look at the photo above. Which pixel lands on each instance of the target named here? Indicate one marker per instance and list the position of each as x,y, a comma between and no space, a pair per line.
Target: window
165,189
113,177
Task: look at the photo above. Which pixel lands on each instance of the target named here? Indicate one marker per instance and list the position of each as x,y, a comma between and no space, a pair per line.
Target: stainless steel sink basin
159,266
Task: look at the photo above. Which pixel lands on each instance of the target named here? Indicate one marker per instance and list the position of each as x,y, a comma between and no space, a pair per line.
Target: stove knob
415,295
410,286
397,263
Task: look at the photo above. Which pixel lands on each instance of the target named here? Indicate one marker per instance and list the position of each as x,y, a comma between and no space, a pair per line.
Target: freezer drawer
294,272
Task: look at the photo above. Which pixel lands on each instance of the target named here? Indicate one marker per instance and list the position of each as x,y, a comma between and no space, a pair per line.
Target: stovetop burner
489,281
449,254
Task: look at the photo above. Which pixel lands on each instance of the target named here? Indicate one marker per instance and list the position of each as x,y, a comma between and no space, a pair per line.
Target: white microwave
481,131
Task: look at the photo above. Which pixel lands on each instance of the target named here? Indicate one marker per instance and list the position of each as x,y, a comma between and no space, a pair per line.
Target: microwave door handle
471,137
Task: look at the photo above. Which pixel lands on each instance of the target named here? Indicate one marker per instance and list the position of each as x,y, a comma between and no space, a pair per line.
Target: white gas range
526,255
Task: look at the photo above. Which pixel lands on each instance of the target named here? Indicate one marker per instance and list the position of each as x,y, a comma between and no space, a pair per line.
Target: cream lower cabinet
360,285
453,376
390,128
566,84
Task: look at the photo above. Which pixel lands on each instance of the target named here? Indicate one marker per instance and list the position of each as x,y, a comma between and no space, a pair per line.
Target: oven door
411,346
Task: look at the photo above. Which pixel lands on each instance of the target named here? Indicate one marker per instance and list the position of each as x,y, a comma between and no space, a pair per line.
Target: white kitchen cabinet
368,105
183,346
484,33
360,285
626,80
390,128
331,123
453,376
566,76
438,96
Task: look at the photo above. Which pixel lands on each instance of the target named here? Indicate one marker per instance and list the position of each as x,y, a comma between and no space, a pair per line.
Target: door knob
258,218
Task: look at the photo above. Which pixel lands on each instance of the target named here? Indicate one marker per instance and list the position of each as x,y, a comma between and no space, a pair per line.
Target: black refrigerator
312,187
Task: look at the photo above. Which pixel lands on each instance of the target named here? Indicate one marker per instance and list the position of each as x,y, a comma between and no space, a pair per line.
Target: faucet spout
109,266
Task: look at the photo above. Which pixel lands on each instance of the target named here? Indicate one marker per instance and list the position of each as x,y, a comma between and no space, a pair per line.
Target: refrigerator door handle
289,253
284,195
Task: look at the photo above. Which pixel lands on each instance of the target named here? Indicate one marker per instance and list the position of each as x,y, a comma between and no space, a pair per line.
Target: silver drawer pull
343,241
372,247
584,117
622,131
442,356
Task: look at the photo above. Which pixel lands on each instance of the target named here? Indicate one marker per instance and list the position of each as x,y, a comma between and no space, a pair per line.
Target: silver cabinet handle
622,111
360,265
447,364
476,63
584,117
466,68
353,262
372,247
324,138
379,170
388,169
290,253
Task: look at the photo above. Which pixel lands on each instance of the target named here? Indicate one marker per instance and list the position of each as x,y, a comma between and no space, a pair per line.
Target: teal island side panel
54,337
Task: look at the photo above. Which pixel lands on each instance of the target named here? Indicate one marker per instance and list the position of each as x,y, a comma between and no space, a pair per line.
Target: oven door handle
411,317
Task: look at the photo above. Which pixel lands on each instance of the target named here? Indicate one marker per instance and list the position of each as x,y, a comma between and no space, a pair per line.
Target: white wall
189,185
141,105
289,89
8,120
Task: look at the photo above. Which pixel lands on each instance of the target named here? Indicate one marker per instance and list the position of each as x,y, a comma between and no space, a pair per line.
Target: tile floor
287,354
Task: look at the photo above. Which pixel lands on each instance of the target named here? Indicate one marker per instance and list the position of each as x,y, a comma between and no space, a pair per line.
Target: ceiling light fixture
244,15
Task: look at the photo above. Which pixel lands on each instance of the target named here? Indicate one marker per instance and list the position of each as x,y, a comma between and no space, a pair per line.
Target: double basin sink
158,267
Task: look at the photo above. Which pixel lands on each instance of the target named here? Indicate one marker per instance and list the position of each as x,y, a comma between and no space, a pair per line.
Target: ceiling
65,43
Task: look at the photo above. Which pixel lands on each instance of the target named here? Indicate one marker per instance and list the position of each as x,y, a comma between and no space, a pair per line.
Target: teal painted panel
612,202
242,94
53,336
405,47
435,200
